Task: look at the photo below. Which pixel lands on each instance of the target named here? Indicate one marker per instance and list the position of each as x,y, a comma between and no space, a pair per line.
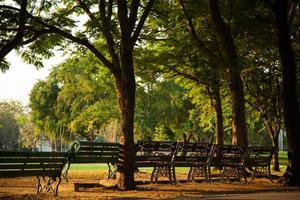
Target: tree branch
88,12
106,29
141,22
123,19
109,9
187,76
83,42
133,14
37,34
270,4
20,32
194,34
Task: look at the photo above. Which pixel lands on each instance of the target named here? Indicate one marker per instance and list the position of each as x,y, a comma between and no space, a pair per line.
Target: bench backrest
94,152
228,155
189,154
149,153
259,156
18,164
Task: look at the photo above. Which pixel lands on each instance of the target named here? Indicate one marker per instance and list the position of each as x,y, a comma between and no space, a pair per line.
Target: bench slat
32,154
97,153
31,160
30,166
13,174
94,160
88,143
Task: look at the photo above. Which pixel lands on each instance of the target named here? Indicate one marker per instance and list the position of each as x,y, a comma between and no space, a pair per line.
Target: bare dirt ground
25,188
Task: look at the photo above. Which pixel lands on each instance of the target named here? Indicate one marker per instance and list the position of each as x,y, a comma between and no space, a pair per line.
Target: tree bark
217,106
290,98
239,127
275,155
125,84
273,131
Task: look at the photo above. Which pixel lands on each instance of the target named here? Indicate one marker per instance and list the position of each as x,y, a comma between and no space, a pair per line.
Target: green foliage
159,105
78,95
9,131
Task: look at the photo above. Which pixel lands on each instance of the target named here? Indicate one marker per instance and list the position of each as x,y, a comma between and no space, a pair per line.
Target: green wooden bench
231,160
259,160
46,166
157,154
195,156
83,152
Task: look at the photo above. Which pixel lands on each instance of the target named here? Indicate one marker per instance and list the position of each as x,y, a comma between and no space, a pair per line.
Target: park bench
46,166
84,152
157,154
196,156
259,160
230,159
95,152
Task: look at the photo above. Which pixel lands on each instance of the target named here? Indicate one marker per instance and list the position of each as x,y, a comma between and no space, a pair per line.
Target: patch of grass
283,157
89,167
283,160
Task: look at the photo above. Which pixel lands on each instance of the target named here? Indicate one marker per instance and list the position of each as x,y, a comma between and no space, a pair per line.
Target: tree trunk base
290,179
126,183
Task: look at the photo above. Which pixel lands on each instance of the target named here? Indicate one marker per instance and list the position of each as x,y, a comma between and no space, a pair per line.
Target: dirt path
24,188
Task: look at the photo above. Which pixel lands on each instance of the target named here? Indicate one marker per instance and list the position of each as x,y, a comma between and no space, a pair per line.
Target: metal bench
259,160
196,156
230,159
46,166
157,154
83,152
95,152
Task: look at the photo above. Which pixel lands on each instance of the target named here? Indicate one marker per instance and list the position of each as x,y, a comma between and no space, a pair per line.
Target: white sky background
17,82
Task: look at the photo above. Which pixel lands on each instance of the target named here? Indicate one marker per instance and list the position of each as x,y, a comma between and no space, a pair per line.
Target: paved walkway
257,196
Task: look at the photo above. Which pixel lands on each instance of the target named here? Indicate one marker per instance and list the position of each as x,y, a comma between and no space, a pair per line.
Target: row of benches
164,157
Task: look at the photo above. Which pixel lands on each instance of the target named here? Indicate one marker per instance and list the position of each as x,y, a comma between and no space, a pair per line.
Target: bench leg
244,174
112,171
253,173
174,175
205,173
154,174
46,183
170,174
209,174
190,174
57,185
269,173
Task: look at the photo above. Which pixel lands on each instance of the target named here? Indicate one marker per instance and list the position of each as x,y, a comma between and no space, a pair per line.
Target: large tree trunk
217,106
275,155
273,131
125,84
290,98
239,127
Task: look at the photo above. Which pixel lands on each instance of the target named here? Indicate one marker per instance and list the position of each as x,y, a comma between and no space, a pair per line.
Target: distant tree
77,97
264,88
11,115
9,132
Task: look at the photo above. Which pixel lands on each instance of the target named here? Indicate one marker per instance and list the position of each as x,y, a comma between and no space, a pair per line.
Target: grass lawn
103,167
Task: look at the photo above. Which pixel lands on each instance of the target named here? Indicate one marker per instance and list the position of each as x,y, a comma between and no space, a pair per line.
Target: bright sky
17,82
